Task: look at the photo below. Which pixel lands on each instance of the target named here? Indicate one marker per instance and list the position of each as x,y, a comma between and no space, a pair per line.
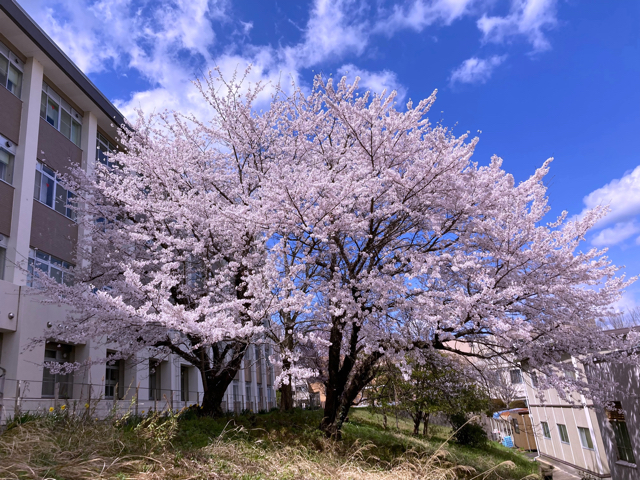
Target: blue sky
538,78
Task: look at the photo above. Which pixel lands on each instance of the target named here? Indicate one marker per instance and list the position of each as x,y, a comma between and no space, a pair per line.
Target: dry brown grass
75,449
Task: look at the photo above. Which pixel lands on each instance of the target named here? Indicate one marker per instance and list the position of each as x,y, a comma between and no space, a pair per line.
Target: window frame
563,433
66,380
155,391
518,373
112,387
12,62
546,432
624,446
3,260
44,170
104,149
50,95
38,257
184,383
585,436
516,425
9,148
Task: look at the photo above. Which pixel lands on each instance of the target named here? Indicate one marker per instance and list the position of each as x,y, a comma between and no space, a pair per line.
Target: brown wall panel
56,150
10,114
53,233
6,206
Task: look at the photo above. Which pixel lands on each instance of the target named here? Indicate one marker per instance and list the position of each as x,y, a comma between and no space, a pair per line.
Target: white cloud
375,82
420,14
626,303
476,70
170,42
616,234
621,195
529,18
335,29
93,33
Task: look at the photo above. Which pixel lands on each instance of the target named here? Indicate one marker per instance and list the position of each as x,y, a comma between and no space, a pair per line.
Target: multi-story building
576,436
53,117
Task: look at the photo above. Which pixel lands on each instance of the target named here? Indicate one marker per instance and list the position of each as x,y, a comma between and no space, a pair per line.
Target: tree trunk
425,428
212,402
286,398
217,374
345,391
384,418
417,418
286,391
395,407
337,376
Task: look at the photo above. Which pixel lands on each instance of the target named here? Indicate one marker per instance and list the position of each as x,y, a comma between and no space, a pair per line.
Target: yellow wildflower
51,409
86,405
63,407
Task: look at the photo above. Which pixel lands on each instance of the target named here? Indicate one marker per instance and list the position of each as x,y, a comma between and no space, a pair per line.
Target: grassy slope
253,447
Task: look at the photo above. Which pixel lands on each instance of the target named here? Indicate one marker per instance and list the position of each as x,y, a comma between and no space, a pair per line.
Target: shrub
467,432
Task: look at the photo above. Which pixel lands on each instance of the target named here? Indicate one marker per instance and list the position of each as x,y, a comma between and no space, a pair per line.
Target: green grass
366,425
252,447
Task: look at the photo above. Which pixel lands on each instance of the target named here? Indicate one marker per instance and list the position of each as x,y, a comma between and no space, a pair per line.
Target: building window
546,433
60,115
48,264
236,389
184,383
7,159
623,441
112,384
585,438
564,436
105,149
47,190
516,376
10,70
516,425
57,354
3,257
155,389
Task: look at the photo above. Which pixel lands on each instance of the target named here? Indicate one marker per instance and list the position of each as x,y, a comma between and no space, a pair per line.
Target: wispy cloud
171,42
375,81
476,70
335,29
616,234
419,14
527,18
622,195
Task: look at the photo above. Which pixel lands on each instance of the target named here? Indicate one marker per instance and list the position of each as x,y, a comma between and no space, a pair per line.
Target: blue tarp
497,414
507,442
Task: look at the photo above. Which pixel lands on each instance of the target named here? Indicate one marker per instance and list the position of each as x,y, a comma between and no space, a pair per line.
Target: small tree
439,384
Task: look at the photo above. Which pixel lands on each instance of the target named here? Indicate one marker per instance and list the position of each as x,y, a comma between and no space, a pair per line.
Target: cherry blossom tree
418,247
170,251
330,220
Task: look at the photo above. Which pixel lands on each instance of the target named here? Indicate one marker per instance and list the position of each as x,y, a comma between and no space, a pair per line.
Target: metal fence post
56,392
171,400
16,408
137,391
115,398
